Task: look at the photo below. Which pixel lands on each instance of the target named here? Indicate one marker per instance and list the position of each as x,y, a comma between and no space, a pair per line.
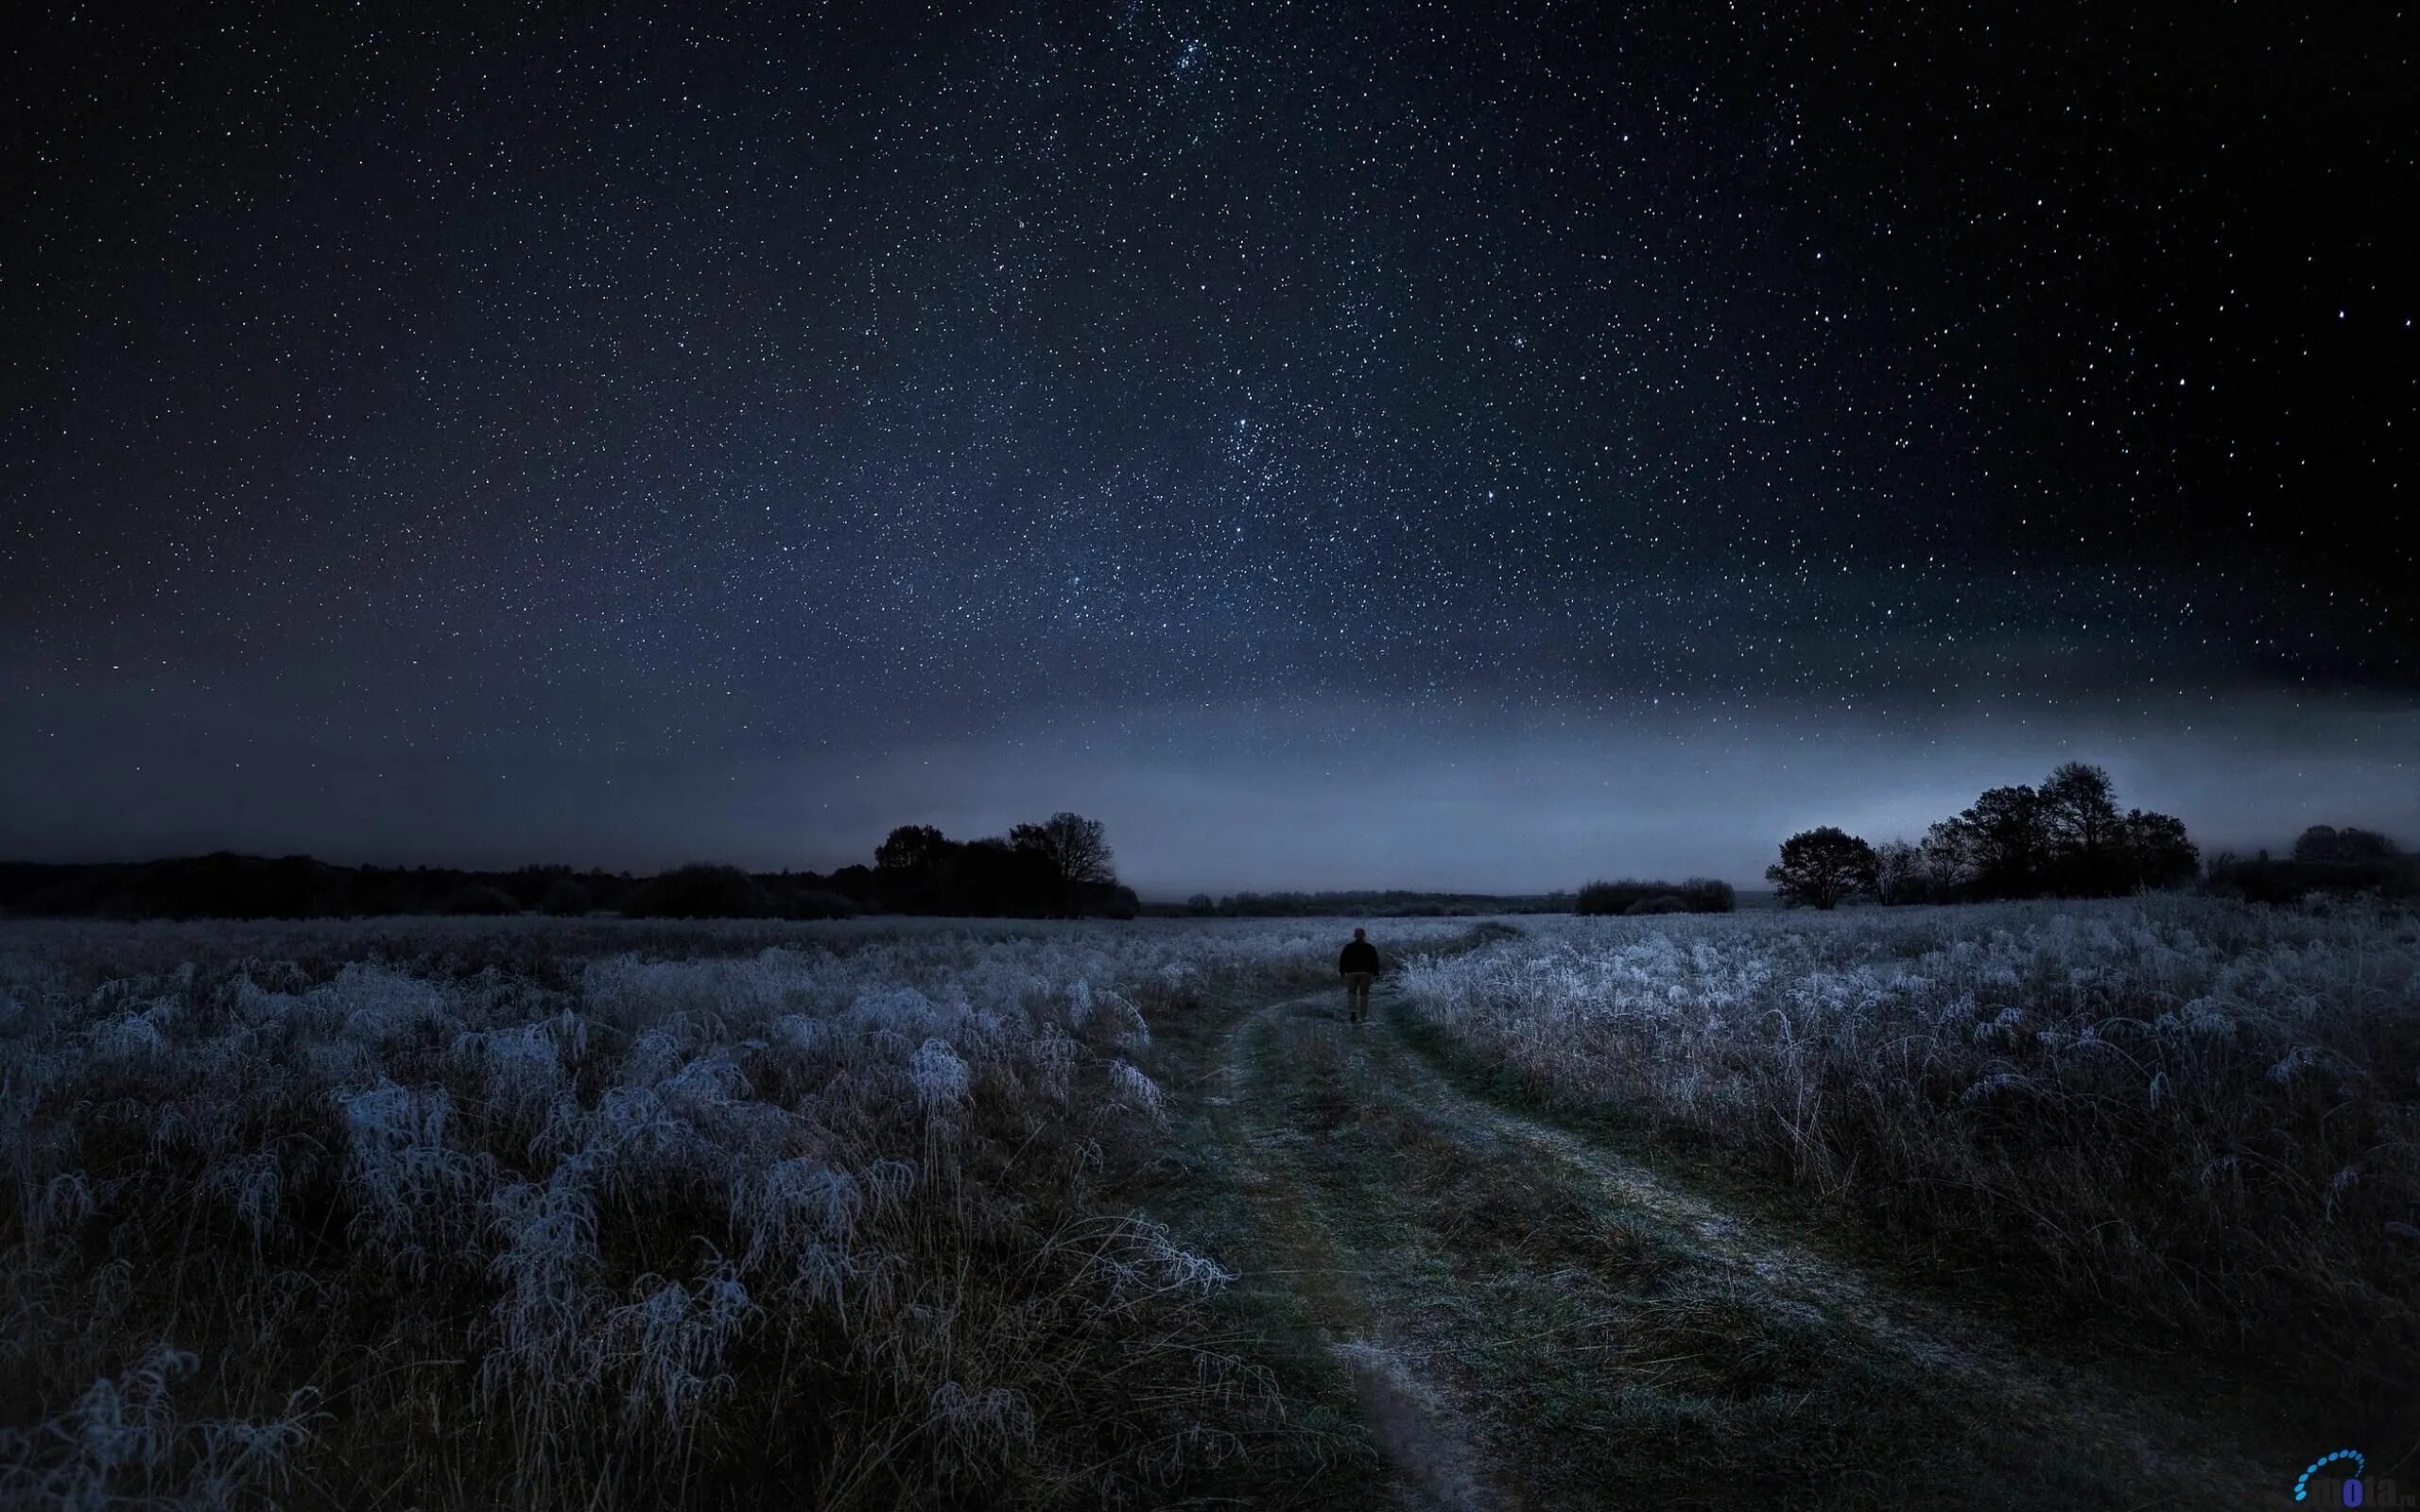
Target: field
2113,1204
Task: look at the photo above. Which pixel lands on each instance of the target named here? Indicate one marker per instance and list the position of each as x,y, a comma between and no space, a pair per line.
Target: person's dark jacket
1359,955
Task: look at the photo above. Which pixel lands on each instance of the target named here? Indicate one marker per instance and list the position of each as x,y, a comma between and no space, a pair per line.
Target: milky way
1336,444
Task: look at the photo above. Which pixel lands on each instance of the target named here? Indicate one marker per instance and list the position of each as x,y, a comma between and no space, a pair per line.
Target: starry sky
1336,444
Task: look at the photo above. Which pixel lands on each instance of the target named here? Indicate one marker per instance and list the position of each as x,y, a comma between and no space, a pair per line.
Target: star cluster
609,434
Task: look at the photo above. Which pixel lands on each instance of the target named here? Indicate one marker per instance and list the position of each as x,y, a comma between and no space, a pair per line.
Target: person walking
1358,966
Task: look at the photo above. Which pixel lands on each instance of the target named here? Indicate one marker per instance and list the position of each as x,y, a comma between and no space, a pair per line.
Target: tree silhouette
480,898
2081,829
1898,872
2005,829
990,876
2066,839
2327,843
698,891
1821,866
1948,855
1709,895
1077,849
2157,853
911,848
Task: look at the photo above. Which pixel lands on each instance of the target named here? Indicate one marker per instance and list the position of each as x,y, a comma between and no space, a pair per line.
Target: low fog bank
1268,797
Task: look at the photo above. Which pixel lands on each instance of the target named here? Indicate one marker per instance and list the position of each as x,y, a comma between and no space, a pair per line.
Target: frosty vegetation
2184,1113
556,1213
613,1213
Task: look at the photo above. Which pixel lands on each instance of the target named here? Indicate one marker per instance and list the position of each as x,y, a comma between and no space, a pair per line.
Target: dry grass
575,1214
2190,1112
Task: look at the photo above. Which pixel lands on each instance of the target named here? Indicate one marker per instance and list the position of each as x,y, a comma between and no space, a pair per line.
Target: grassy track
1521,1316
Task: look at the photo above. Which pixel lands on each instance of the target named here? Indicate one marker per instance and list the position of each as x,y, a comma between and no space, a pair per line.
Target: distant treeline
2069,838
2325,859
2066,839
1699,895
1395,902
1060,868
224,885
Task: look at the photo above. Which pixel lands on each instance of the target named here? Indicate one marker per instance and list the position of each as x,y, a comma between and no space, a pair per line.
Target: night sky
1401,444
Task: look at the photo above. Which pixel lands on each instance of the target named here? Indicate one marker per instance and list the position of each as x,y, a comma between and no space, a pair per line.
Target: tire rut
1412,1417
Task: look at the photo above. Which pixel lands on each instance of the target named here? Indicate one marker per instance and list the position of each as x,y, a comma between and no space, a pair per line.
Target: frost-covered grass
2189,1110
588,1213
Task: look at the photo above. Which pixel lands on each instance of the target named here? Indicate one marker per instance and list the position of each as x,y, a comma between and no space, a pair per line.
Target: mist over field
1204,802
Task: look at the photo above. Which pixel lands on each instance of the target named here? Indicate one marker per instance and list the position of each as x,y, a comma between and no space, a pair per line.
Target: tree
1700,895
565,899
911,848
1947,855
1104,900
1898,872
1077,849
2157,853
915,869
992,877
2081,828
2324,843
1821,866
698,891
2005,825
1709,895
480,898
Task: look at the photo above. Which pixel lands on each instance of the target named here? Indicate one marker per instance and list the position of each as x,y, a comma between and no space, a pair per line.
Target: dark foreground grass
2264,1391
2199,1117
463,1215
580,1227
1607,1361
1203,1186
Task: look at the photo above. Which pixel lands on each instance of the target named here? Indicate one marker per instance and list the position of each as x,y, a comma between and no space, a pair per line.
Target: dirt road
1533,1320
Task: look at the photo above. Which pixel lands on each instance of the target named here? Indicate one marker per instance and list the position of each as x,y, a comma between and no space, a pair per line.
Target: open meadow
2004,1206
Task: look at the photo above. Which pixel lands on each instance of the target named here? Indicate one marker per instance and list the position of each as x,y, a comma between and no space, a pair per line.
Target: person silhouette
1358,966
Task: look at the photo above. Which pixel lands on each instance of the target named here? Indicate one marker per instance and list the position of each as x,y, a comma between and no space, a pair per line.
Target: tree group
2326,860
1060,867
1630,895
2066,839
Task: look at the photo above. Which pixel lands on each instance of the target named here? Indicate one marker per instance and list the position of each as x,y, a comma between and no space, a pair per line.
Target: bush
1699,895
815,902
1668,902
1104,900
2265,880
2327,843
698,890
1709,895
1616,897
477,897
565,899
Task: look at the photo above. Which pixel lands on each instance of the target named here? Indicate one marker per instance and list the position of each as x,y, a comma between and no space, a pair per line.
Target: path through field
1533,1320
